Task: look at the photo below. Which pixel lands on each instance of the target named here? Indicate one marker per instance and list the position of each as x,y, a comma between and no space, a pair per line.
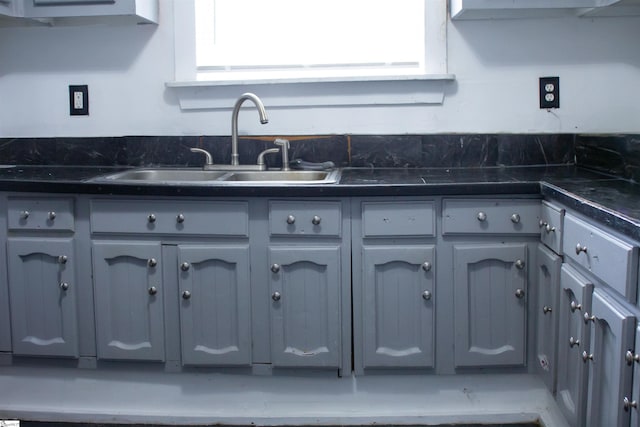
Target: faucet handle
284,146
207,155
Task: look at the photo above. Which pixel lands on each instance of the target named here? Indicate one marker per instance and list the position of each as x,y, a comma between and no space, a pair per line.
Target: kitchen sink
186,176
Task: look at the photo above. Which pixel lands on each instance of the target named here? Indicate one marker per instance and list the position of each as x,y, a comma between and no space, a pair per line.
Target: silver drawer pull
519,293
186,295
520,264
185,266
426,266
542,224
180,218
426,295
631,357
628,404
580,248
152,262
51,215
316,220
549,229
24,214
276,296
573,342
586,356
515,218
152,290
546,309
291,219
588,318
482,216
64,286
62,259
151,218
275,268
575,306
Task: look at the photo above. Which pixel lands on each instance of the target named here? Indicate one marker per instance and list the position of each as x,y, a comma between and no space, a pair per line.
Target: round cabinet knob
24,214
586,356
519,264
186,295
62,259
515,218
185,266
151,218
575,306
426,266
482,216
580,248
549,229
180,218
276,296
291,219
64,286
51,215
546,310
573,342
519,293
426,295
589,318
631,357
152,262
316,220
627,403
152,290
275,268
542,224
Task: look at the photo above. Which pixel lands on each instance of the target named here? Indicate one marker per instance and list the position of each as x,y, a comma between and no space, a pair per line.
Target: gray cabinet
632,357
129,300
612,336
573,340
548,284
490,285
305,284
215,305
398,306
42,288
127,11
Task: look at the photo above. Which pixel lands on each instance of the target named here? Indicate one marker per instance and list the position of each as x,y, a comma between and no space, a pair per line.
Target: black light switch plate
549,92
79,100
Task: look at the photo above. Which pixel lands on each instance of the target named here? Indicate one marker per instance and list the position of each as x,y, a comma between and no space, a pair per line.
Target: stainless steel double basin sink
192,176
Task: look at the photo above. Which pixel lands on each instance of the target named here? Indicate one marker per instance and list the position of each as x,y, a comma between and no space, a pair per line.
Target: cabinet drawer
494,216
40,214
407,218
551,224
168,217
612,260
304,218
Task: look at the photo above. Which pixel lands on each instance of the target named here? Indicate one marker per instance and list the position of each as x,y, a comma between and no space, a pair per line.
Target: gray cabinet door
634,359
215,305
610,375
490,304
42,288
548,285
305,306
128,298
573,339
398,306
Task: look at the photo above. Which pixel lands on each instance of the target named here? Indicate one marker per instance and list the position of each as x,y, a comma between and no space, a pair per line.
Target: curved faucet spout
234,122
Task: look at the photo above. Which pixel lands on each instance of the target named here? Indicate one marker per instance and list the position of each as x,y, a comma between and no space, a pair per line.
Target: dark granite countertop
608,200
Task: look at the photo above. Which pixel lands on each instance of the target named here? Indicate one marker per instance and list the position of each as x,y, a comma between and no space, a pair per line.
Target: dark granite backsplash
401,151
617,155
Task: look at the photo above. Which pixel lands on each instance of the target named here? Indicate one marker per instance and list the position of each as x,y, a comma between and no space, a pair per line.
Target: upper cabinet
77,12
507,9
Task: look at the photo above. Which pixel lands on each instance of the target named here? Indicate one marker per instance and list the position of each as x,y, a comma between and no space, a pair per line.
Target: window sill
311,92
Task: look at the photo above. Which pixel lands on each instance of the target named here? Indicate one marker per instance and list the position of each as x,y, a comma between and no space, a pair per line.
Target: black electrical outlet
549,92
79,100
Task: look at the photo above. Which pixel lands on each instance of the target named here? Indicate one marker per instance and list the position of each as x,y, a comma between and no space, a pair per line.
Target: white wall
497,65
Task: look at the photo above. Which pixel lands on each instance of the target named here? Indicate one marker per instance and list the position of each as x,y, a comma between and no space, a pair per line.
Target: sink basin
187,176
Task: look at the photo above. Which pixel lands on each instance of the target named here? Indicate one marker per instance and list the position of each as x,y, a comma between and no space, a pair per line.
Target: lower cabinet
42,288
610,369
215,305
129,295
573,341
490,284
305,310
398,306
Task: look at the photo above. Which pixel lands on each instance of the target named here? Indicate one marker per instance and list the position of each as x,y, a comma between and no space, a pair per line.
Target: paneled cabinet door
398,300
548,285
215,309
42,285
573,339
610,375
129,300
633,358
490,304
305,306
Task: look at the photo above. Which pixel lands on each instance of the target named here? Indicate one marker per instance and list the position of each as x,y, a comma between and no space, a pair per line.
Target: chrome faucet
234,122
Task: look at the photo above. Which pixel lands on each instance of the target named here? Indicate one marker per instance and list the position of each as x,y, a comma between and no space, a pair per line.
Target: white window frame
424,88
